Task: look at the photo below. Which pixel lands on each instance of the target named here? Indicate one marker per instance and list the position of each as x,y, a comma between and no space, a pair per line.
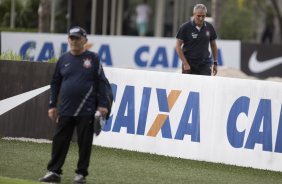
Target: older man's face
77,43
199,17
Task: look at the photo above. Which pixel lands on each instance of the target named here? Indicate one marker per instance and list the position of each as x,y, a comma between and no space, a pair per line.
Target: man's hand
53,114
214,69
186,66
103,111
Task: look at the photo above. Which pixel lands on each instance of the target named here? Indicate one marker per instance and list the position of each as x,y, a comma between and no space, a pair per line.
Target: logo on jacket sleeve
87,63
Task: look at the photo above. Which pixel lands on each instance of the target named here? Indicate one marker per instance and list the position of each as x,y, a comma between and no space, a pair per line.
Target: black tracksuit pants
62,138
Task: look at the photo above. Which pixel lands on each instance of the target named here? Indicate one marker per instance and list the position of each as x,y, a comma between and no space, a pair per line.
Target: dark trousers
62,138
204,68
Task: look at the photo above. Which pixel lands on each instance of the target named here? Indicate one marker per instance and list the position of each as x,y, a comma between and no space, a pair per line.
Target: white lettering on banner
262,119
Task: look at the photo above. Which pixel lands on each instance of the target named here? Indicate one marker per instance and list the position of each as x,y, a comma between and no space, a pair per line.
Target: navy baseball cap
77,32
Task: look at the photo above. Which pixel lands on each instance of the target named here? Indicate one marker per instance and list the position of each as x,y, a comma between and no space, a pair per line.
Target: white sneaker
79,179
51,177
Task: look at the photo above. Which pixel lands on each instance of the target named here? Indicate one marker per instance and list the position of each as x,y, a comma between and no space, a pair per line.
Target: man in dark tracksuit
195,36
77,78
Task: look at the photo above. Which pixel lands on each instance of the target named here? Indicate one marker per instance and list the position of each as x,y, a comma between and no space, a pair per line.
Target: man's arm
180,53
102,91
214,54
54,93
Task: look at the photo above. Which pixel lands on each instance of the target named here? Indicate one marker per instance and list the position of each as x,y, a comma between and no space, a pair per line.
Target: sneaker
79,179
51,177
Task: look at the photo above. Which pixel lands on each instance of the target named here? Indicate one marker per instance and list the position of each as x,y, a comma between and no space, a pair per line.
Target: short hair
200,6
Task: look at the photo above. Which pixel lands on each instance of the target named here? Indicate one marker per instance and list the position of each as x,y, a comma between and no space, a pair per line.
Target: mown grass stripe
28,160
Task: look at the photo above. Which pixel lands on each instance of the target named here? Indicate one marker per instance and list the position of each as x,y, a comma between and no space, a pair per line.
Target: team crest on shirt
87,63
208,34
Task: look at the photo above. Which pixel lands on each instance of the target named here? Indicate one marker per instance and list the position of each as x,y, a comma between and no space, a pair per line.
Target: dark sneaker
79,179
51,177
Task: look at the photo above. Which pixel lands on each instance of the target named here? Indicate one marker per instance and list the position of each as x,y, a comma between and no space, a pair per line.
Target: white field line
27,139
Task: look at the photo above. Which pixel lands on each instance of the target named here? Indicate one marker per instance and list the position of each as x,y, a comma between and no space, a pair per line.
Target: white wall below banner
148,53
196,117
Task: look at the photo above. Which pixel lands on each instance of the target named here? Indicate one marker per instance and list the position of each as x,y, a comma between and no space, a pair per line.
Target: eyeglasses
199,16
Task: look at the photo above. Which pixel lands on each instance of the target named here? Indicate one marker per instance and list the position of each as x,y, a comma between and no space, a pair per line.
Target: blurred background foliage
26,16
238,22
238,19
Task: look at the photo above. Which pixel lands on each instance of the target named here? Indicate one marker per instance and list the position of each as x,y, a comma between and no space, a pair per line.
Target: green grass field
5,180
25,162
